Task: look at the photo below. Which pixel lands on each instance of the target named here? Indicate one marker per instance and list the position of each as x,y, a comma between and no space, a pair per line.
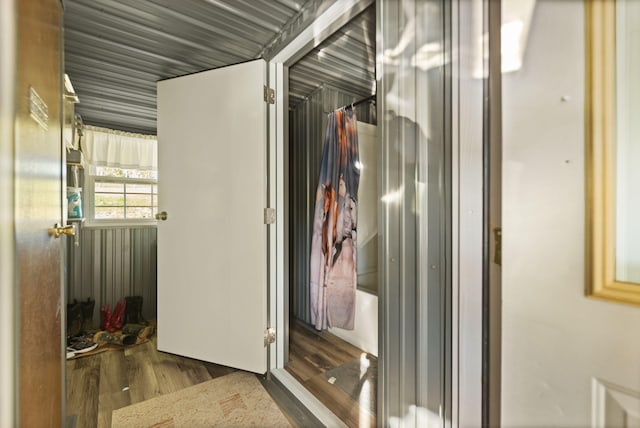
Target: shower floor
341,376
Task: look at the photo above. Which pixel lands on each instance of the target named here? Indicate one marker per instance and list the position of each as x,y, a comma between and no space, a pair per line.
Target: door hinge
497,254
269,336
269,95
269,215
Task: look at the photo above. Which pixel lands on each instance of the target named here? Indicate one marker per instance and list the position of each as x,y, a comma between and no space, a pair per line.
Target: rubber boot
87,315
133,314
74,319
117,315
141,319
105,317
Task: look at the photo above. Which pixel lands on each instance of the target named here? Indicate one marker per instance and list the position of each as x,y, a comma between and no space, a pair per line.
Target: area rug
358,378
234,400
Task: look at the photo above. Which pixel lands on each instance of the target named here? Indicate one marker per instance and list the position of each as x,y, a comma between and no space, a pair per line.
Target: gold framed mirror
613,150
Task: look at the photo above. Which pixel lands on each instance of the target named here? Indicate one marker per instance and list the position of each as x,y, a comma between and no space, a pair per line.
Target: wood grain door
38,206
212,178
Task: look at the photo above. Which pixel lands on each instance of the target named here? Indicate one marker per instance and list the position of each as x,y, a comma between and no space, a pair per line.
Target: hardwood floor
313,354
97,385
101,383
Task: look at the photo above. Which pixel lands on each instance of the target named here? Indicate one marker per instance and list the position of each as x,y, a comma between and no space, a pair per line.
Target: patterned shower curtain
333,276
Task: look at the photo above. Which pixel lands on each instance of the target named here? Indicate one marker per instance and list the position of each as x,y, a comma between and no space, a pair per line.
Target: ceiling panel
116,50
345,60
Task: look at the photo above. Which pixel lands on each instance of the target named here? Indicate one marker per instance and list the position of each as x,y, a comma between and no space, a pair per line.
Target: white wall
365,332
555,340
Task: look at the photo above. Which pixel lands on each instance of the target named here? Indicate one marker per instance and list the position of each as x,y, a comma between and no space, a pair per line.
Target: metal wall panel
112,263
307,127
415,81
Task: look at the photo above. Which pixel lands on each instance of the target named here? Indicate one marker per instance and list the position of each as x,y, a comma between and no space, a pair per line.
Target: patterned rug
235,400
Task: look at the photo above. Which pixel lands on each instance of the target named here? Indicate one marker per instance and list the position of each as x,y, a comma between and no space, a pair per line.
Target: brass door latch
497,254
57,230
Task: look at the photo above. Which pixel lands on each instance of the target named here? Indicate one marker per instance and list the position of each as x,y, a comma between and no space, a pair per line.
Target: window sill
113,224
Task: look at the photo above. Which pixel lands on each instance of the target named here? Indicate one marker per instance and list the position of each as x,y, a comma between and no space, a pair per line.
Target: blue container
74,201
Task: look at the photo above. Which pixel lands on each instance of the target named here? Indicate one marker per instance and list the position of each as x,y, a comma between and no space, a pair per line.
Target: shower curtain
333,276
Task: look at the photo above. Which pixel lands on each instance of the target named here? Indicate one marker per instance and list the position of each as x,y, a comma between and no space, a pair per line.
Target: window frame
89,202
600,158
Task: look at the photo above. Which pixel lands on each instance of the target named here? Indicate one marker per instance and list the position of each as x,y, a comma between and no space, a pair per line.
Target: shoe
132,329
80,346
115,339
142,332
80,337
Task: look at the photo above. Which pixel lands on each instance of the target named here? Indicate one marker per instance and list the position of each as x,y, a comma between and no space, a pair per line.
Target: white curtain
117,149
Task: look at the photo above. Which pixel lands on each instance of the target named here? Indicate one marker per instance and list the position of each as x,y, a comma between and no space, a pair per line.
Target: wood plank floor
311,355
99,384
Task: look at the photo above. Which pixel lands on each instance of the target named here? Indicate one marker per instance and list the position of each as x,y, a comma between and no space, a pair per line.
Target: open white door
212,260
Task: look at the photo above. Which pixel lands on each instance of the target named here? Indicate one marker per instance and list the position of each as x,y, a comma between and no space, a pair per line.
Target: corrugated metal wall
111,263
307,124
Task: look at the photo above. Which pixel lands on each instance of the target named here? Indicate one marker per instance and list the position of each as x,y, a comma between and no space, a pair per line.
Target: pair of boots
80,317
127,311
112,321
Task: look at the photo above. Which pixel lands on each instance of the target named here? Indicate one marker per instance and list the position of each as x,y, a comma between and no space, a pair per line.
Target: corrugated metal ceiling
116,51
345,60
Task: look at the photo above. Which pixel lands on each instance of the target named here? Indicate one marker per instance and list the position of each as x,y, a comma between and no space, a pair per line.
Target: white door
567,360
212,263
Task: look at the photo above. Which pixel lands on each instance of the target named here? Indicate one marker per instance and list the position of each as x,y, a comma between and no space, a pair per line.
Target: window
121,185
123,195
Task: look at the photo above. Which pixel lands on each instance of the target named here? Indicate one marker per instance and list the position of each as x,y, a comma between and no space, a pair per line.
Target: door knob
161,216
57,230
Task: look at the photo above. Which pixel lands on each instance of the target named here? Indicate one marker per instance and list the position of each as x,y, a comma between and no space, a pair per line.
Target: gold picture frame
600,114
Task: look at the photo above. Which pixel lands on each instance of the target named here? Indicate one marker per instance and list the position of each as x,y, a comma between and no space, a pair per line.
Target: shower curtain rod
364,100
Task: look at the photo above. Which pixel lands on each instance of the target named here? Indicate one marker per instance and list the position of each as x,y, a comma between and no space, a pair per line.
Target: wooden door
38,206
212,265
